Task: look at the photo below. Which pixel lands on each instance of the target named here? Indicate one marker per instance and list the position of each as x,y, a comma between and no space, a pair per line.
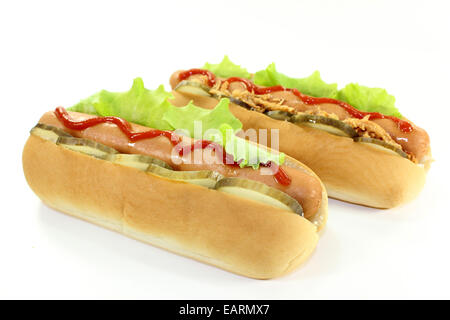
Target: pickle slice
329,125
85,146
192,87
205,178
279,115
138,161
48,132
235,101
260,192
381,145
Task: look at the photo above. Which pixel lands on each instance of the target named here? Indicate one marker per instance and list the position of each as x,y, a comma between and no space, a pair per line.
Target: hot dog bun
352,172
239,235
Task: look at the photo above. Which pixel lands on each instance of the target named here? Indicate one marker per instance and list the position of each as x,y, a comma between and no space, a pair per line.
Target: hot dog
142,182
367,158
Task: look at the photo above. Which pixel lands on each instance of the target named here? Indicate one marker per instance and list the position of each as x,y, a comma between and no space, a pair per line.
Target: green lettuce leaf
369,99
227,69
151,108
87,105
186,117
138,105
249,154
312,85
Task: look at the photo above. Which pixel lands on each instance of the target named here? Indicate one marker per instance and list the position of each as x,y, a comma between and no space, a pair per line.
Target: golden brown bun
351,171
238,235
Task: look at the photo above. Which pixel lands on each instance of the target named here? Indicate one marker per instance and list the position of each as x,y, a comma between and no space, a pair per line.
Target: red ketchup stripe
355,113
186,74
203,144
279,175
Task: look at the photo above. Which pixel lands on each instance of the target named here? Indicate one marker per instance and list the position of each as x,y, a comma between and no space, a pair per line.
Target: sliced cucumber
381,145
330,125
236,101
138,161
203,178
279,115
48,132
193,87
85,146
260,192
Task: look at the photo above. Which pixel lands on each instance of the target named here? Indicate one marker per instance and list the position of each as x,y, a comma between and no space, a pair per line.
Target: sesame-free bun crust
239,235
350,171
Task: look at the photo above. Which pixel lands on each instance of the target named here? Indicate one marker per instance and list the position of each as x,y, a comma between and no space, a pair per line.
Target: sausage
416,142
304,187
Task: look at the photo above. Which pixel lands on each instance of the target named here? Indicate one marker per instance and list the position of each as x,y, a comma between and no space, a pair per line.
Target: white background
55,53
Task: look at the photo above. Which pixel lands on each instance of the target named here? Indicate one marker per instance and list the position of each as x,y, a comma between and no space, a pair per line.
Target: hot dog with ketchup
369,155
191,196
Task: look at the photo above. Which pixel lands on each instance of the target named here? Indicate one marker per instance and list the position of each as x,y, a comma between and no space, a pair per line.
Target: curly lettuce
311,86
369,99
226,69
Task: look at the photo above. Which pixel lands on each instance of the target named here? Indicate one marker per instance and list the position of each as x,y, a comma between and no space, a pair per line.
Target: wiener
366,158
143,183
